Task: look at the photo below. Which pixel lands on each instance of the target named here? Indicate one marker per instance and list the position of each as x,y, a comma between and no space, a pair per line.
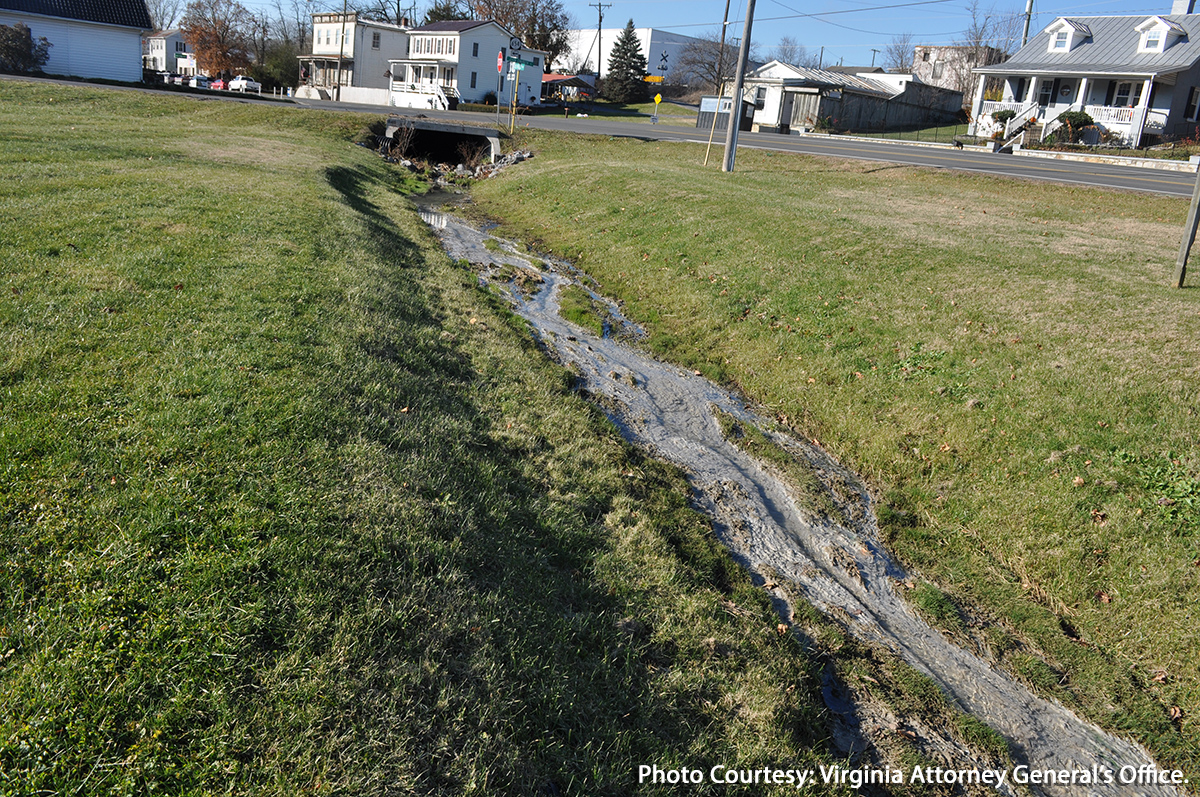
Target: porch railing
1109,115
1024,114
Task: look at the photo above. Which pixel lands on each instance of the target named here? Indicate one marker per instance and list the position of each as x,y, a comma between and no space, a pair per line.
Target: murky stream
844,572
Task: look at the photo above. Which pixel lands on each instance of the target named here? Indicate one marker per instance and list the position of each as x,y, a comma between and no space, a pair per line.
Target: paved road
1095,175
1070,172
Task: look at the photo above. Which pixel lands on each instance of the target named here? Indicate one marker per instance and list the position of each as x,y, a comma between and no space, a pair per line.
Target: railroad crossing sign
662,64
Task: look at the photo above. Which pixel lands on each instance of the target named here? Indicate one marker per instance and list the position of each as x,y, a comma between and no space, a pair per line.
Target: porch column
977,104
1139,115
1083,92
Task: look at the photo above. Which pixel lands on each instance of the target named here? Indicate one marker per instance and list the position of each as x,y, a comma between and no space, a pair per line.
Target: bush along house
1136,77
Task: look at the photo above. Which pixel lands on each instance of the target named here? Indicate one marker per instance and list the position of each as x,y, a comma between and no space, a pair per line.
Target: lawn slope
1004,362
291,506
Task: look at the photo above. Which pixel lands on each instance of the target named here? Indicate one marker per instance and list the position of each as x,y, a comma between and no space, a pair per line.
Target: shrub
1003,117
20,52
1075,122
489,98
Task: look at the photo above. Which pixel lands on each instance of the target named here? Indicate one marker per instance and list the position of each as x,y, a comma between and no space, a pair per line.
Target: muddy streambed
840,568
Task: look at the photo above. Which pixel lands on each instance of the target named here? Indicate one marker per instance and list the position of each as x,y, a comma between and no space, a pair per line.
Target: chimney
1183,6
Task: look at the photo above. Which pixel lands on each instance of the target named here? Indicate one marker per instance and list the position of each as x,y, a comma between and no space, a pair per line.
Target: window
448,76
1062,40
450,46
1193,104
474,53
1153,41
475,75
1045,91
938,68
535,60
1122,97
439,45
375,40
925,56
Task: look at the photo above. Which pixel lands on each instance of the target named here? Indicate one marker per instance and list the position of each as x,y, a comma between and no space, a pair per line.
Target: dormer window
1065,34
1157,34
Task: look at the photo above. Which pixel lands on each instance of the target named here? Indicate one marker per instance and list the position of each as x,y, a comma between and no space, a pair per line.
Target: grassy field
1004,362
291,506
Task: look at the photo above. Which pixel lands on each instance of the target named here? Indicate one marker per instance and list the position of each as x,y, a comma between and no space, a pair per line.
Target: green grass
937,133
1005,363
291,505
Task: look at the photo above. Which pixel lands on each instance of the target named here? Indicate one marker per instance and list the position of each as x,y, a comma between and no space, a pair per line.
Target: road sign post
657,100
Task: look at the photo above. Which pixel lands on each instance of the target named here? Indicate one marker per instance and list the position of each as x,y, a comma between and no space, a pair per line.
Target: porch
1123,108
424,84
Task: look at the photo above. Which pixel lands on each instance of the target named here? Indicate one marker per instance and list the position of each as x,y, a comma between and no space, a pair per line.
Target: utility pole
341,51
821,57
1028,16
874,52
1189,235
735,108
599,38
720,82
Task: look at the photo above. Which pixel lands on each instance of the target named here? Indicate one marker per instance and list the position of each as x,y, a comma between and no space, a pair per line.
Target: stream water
843,571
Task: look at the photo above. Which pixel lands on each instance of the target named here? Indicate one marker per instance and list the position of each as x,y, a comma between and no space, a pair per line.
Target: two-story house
349,58
163,50
1137,77
462,60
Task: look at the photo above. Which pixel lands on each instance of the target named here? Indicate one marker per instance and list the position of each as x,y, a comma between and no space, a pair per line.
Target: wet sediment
841,568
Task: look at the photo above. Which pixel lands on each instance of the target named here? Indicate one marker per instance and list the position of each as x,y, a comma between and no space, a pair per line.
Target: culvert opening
439,142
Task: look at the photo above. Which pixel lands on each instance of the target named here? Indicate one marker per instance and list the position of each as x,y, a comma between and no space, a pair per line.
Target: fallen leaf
1160,677
1079,482
1176,713
1103,597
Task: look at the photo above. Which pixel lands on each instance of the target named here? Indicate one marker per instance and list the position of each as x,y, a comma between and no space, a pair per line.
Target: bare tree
696,65
988,39
898,55
541,24
788,50
293,22
163,13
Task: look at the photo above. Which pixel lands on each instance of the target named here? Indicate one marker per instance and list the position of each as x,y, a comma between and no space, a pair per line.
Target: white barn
89,39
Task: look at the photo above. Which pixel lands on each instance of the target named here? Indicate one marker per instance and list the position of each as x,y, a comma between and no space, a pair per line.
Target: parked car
179,80
198,82
219,83
244,84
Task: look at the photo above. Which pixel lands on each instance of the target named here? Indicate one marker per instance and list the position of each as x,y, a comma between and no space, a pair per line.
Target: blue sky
847,29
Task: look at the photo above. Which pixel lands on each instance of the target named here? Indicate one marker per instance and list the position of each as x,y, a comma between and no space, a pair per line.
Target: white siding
85,49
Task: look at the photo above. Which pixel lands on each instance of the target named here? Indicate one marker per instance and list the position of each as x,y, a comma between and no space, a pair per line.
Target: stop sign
500,61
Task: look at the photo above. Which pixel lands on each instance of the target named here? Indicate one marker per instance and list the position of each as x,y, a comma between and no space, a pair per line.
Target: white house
790,98
88,39
351,53
591,49
1137,77
462,60
166,51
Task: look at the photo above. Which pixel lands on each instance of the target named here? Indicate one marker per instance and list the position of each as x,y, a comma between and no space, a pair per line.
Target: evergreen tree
626,68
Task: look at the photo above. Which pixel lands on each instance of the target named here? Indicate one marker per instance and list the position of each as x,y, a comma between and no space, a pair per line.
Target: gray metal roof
825,79
125,13
1112,48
